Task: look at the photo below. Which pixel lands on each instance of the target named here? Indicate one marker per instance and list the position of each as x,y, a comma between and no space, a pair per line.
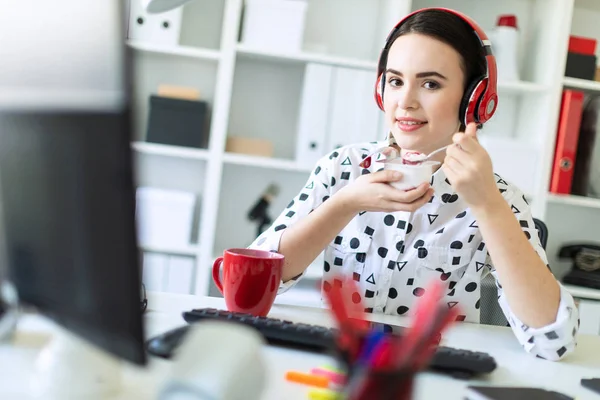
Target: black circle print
471,287
361,257
419,243
399,245
449,198
409,228
402,310
422,252
389,220
393,293
354,243
356,298
457,244
326,266
419,292
462,214
317,170
382,251
332,181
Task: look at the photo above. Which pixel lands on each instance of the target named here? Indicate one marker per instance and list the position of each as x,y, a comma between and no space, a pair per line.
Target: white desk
515,366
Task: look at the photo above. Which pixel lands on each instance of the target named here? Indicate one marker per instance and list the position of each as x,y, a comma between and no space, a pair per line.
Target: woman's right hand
372,192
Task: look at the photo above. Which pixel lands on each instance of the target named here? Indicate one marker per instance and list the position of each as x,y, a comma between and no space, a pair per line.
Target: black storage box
581,66
178,122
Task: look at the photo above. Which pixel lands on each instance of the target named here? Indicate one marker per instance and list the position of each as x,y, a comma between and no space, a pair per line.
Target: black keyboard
459,363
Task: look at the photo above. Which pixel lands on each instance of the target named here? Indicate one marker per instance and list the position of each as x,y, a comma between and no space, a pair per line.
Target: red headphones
480,99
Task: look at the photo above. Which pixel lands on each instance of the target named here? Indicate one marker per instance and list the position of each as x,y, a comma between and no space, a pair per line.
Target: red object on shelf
582,45
571,110
507,20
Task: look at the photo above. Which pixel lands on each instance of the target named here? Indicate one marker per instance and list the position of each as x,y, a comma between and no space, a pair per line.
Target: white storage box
159,29
164,217
274,24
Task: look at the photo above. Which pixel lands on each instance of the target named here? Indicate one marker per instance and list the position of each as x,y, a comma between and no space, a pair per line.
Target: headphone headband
480,99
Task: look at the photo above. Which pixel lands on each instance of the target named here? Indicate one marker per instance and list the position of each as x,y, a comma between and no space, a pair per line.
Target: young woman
466,223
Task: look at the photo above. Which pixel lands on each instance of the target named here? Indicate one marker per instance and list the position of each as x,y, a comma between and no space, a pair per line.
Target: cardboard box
178,92
250,146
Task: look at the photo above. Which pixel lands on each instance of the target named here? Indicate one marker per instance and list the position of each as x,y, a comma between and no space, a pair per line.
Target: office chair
491,312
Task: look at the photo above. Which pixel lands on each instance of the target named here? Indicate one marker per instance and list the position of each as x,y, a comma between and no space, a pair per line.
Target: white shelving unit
182,51
255,93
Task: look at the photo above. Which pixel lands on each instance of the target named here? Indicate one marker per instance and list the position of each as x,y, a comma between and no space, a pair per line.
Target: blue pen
370,344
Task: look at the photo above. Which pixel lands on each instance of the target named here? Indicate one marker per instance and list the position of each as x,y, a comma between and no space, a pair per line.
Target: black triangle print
432,218
479,265
473,224
451,304
311,185
347,161
502,181
325,185
440,231
361,213
515,209
371,279
502,190
401,264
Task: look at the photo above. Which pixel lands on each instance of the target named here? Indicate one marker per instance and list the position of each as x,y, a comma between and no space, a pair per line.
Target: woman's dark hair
453,31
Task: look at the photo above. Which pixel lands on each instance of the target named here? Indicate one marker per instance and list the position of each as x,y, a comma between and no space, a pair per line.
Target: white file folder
355,118
180,274
314,114
154,271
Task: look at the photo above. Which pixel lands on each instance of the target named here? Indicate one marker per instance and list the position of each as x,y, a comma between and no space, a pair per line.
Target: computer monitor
67,190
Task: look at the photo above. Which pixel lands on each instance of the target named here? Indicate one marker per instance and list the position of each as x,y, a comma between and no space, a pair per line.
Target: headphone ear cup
468,106
379,92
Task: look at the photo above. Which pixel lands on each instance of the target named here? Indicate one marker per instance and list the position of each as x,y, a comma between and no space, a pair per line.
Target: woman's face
423,89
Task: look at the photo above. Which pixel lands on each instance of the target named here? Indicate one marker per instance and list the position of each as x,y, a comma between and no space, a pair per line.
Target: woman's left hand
468,167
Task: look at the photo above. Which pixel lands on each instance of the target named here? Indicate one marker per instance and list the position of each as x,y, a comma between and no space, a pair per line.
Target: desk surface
515,367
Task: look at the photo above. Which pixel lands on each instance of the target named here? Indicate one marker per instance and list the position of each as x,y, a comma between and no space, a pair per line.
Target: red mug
250,279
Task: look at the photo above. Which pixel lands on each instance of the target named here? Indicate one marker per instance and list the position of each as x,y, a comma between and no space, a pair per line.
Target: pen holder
368,384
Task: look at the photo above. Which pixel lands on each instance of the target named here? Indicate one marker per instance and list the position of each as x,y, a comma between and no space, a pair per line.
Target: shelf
580,201
170,151
265,162
306,57
190,250
182,51
582,292
583,84
520,87
507,87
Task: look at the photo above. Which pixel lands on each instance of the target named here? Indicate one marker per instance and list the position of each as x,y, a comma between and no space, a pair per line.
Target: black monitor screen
69,218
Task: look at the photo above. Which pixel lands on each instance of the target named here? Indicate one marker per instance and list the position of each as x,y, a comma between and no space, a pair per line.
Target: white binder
180,274
313,114
355,117
155,271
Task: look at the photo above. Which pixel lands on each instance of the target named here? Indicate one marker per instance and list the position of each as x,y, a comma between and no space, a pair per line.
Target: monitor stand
70,368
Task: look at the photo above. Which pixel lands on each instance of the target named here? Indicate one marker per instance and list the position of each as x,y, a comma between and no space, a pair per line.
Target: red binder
569,123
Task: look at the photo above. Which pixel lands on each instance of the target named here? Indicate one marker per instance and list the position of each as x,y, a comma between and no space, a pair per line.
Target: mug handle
216,270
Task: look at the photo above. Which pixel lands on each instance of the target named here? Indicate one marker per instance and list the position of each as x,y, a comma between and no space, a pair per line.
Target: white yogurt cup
412,175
